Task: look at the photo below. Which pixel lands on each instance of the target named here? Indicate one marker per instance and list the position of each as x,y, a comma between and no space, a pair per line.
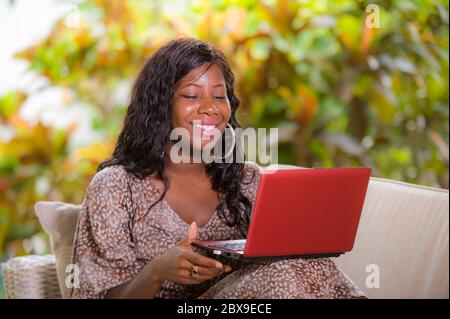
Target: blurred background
347,83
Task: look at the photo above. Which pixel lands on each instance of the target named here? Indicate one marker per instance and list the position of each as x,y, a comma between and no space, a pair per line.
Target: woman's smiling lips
207,127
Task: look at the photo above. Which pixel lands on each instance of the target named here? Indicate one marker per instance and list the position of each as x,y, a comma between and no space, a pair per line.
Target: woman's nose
207,106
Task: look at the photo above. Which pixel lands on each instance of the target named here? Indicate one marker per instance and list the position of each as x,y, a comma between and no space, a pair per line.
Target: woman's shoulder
250,167
114,175
251,172
249,184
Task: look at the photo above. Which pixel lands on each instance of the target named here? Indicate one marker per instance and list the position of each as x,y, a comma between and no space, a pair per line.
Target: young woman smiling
142,210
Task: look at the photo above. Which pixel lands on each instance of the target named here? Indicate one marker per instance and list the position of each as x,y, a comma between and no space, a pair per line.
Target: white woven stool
31,277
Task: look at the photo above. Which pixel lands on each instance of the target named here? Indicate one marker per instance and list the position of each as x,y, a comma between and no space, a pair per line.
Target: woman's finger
185,278
203,261
194,281
208,272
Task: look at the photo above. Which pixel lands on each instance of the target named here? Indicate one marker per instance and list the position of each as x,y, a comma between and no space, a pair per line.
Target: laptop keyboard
229,246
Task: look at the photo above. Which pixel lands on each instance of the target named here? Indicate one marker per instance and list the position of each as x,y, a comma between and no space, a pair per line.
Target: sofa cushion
59,220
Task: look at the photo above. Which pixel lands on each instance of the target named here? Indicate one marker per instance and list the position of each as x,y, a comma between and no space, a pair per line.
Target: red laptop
308,213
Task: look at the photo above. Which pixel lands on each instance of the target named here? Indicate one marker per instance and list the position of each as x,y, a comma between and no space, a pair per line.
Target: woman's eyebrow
200,86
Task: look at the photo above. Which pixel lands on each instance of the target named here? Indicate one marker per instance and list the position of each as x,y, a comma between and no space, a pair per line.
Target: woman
142,210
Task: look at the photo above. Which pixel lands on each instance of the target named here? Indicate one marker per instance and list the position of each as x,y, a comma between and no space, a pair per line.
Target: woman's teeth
204,127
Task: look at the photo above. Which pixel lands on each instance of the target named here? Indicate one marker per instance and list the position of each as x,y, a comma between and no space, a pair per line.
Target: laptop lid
306,211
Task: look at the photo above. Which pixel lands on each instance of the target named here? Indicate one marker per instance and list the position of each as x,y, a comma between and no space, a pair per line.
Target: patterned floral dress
117,235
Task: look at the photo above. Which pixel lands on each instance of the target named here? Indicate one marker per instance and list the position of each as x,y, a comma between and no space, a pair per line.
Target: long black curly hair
147,125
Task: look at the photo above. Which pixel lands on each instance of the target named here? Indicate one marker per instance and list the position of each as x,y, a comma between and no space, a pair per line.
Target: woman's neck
185,169
191,168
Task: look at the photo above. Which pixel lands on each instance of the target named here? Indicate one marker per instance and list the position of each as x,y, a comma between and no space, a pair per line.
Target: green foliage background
341,94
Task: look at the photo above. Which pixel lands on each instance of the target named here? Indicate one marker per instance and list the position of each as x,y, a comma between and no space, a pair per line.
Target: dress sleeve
103,249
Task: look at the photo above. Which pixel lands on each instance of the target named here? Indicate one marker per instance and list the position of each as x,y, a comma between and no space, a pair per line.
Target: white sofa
403,233
401,249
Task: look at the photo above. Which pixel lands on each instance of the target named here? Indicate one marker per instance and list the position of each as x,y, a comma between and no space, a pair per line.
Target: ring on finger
194,271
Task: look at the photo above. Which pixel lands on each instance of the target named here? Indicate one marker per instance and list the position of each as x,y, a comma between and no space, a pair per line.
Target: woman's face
201,104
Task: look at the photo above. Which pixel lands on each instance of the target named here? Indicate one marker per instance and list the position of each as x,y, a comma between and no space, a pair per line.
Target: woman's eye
220,97
190,96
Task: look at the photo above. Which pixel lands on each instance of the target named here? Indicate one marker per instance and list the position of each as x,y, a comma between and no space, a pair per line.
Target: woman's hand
178,263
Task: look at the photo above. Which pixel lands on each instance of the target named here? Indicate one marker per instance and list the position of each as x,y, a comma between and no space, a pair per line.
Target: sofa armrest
32,277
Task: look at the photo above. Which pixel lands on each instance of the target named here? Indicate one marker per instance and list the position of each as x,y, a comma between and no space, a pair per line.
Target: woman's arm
145,285
175,266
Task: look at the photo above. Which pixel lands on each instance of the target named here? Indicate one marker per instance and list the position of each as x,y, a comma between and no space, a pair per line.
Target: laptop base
243,258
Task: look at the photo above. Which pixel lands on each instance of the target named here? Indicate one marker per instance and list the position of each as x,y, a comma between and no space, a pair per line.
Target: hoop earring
233,134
